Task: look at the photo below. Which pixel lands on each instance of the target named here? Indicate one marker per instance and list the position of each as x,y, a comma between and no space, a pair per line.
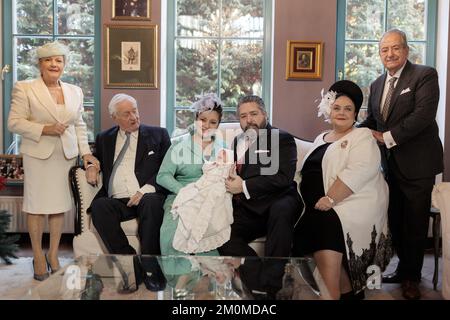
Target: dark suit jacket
266,189
411,120
146,166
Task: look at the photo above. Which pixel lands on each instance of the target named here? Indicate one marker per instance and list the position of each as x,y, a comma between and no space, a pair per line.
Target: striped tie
117,162
387,102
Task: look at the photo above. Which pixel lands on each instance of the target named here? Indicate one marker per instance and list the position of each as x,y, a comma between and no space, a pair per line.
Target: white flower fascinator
207,102
324,108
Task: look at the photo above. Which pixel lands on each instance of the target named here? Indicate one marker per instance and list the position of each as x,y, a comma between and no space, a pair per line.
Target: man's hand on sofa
134,200
92,175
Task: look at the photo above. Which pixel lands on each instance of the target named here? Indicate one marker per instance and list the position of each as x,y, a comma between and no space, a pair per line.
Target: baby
204,208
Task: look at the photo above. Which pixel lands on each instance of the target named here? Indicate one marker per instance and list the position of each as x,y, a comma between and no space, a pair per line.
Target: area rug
17,279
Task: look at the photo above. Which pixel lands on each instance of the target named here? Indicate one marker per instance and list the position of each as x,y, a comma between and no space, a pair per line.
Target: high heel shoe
49,267
39,277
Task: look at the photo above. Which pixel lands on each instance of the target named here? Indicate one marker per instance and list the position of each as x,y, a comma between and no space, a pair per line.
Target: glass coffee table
116,277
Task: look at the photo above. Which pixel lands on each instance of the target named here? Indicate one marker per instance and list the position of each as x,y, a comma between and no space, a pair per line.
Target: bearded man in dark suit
401,112
265,201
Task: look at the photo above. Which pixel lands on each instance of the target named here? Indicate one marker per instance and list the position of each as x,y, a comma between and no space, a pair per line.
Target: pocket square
151,152
261,151
405,91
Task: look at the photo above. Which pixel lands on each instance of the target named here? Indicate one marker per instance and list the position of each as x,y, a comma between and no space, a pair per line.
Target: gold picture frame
304,60
131,56
131,9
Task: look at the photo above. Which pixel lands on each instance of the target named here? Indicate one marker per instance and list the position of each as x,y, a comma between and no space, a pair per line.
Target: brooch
344,144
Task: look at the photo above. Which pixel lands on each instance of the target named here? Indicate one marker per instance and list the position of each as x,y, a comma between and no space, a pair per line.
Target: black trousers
277,224
108,213
409,207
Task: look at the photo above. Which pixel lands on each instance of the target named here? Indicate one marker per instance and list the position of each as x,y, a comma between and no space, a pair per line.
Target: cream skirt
46,183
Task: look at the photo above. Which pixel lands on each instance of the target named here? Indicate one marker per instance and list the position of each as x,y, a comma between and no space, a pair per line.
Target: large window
361,23
220,46
34,22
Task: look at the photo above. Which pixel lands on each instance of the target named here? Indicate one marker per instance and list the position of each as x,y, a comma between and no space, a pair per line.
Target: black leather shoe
410,290
148,271
393,277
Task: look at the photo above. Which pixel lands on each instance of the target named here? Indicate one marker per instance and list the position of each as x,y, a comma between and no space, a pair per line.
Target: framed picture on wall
130,56
304,60
131,9
11,168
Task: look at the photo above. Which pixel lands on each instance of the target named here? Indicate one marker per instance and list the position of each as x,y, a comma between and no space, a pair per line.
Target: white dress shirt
387,136
125,183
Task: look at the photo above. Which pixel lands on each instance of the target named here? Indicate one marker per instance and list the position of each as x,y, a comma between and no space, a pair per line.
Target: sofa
441,201
87,241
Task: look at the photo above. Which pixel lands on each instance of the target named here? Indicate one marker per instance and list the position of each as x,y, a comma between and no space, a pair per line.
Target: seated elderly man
130,155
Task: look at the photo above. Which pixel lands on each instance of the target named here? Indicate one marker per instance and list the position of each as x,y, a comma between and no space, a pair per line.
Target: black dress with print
316,230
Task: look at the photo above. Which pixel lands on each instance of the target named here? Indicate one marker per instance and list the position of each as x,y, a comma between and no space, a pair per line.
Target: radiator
13,205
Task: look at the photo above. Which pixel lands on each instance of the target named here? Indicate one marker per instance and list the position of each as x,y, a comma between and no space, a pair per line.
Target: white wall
441,62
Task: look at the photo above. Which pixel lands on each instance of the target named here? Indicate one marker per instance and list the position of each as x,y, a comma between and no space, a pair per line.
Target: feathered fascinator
324,108
207,102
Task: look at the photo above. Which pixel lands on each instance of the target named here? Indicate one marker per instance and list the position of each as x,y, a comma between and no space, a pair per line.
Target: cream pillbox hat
52,49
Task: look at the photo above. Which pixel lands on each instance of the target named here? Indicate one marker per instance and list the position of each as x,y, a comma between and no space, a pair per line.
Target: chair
435,215
441,201
87,241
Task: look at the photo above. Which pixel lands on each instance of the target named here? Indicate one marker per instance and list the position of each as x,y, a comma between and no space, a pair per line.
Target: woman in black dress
345,219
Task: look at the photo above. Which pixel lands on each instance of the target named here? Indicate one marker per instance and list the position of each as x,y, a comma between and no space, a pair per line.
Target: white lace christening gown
205,211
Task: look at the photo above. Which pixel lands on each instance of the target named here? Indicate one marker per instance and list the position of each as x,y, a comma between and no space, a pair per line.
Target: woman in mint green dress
181,166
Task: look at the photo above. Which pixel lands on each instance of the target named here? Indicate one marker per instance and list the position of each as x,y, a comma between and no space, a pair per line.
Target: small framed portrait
131,9
304,60
11,168
130,56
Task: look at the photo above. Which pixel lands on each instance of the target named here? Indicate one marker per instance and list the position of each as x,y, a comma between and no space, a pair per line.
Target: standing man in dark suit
130,155
265,201
401,112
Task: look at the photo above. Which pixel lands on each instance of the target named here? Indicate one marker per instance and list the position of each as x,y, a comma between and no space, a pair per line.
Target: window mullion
55,19
219,55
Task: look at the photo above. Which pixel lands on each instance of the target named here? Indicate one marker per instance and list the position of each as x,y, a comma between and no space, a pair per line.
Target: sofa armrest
83,194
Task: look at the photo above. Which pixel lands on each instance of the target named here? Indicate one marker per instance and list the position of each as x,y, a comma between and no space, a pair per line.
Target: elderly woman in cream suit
344,225
47,113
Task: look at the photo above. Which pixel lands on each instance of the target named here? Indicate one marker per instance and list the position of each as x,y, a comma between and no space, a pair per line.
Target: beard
255,126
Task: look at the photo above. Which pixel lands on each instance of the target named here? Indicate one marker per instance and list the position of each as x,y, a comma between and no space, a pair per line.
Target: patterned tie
117,162
387,102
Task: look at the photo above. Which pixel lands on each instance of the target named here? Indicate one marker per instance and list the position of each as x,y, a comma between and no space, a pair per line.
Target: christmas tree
7,243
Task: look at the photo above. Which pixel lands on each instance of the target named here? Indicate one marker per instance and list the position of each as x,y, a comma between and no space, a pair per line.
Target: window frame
341,41
171,107
9,58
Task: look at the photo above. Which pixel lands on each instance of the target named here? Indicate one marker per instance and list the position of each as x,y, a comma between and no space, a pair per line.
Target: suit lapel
140,149
379,95
111,145
402,84
43,95
71,102
262,142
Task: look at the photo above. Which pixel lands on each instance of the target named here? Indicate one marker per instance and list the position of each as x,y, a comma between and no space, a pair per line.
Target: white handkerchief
261,151
405,91
150,153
